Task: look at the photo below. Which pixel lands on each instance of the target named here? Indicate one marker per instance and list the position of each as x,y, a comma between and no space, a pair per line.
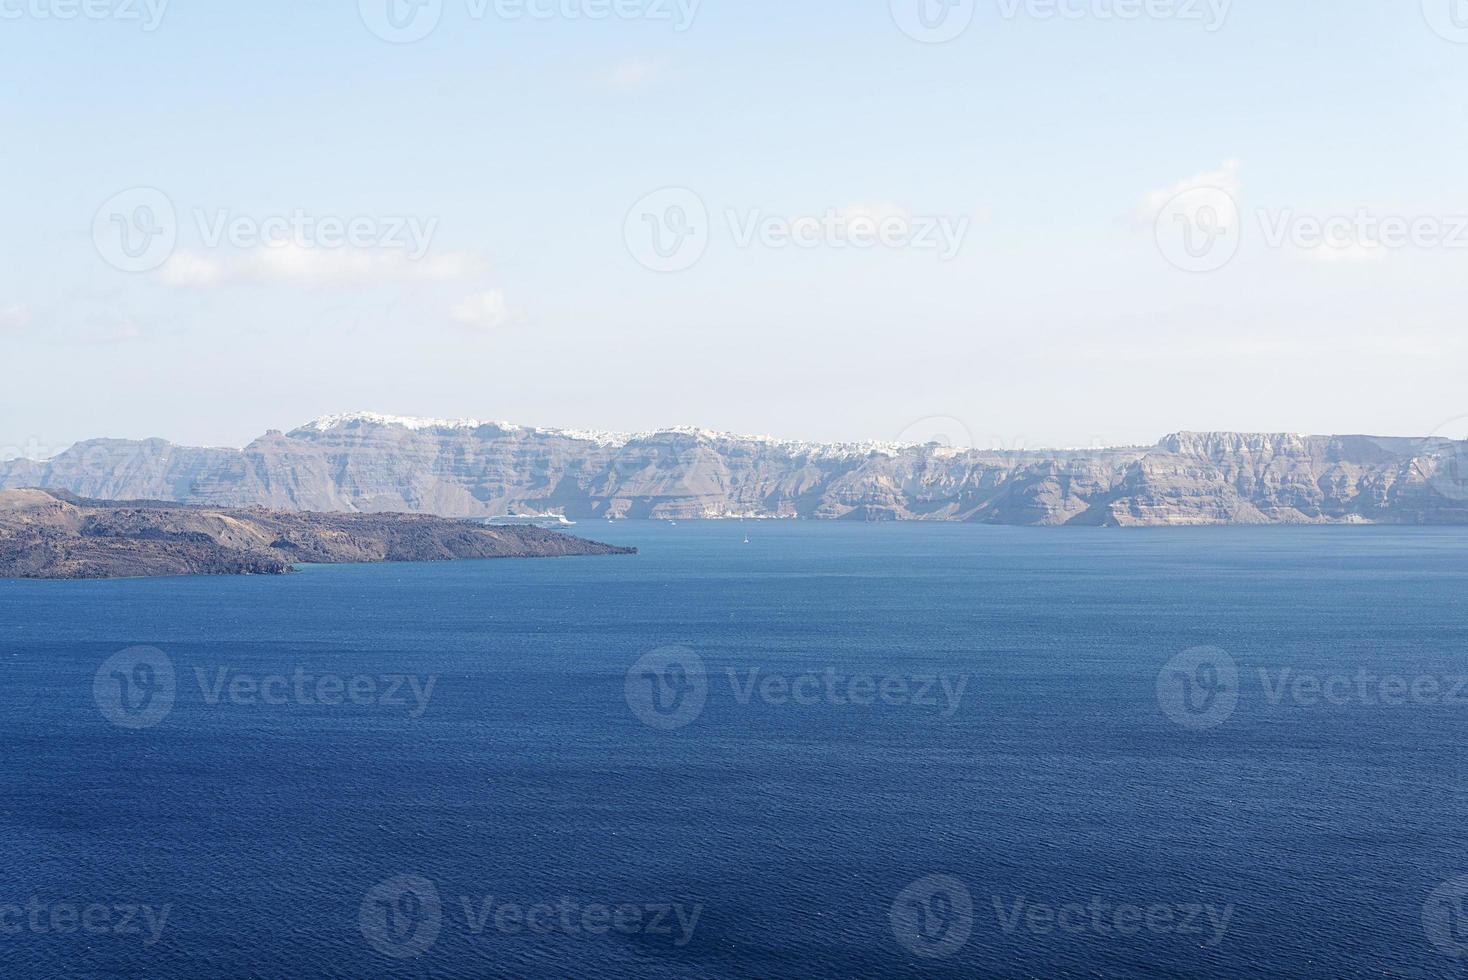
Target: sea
760,749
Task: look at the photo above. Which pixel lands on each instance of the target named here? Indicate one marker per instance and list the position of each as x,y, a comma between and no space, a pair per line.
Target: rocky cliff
380,464
56,535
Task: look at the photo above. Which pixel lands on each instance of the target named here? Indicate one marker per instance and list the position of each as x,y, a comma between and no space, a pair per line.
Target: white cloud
14,317
186,269
1225,178
311,268
633,75
483,311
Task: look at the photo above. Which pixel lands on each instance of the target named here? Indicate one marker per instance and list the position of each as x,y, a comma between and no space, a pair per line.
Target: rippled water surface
832,751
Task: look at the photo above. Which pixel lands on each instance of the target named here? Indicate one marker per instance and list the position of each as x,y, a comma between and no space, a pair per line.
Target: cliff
379,464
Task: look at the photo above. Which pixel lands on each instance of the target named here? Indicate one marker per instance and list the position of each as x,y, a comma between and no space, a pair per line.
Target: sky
1034,222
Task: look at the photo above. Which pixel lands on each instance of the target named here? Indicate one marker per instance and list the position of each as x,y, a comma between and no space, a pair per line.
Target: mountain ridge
373,463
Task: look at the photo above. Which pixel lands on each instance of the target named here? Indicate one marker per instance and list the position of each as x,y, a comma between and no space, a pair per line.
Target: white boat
552,521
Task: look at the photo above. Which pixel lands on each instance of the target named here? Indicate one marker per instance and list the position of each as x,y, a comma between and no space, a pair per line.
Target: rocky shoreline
55,535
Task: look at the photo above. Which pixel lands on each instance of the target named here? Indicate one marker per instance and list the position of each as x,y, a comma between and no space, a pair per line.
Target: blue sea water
1089,769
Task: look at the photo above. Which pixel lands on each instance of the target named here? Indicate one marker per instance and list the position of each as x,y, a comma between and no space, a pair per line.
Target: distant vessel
551,521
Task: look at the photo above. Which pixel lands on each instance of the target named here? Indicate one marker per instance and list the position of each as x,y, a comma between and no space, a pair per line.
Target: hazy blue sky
523,139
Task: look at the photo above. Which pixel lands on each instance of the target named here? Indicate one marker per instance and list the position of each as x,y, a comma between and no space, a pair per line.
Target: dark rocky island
55,535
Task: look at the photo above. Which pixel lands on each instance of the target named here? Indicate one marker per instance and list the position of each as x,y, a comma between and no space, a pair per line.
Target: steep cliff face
379,464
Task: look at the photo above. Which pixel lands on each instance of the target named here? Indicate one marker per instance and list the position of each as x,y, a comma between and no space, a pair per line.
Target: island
52,534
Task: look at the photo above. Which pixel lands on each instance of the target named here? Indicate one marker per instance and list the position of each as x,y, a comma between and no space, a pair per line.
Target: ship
550,521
